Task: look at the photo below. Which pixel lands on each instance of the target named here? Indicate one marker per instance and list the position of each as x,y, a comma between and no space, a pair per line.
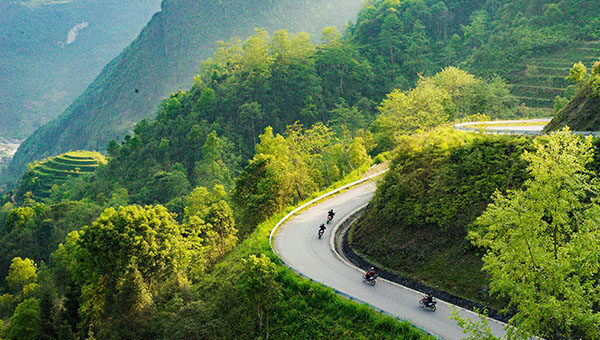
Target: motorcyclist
321,230
428,299
370,274
330,215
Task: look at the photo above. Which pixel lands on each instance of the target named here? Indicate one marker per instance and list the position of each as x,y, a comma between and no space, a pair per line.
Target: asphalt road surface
297,244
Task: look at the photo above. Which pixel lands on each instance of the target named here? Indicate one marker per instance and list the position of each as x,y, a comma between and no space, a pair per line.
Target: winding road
297,244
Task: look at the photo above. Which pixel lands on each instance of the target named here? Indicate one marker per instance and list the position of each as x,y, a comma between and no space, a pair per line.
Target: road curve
297,244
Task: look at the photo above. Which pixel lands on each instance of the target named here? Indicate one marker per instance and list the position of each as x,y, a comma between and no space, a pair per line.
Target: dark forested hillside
400,38
51,50
164,58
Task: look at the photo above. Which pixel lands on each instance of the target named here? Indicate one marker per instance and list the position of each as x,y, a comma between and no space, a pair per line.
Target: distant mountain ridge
51,50
165,57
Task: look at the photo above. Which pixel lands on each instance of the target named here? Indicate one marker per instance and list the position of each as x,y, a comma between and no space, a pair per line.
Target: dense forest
399,39
169,238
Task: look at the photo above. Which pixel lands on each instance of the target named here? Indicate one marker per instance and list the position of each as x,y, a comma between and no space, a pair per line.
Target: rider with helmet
321,230
370,274
330,215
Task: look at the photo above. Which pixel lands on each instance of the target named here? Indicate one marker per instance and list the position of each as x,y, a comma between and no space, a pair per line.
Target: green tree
542,242
475,34
577,73
23,323
257,281
211,170
357,154
405,112
46,328
280,47
121,247
330,34
209,218
251,112
256,194
256,52
22,276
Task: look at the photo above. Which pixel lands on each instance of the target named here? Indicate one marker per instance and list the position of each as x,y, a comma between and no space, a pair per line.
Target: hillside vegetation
169,239
43,175
400,39
438,184
489,217
581,111
215,172
543,77
164,58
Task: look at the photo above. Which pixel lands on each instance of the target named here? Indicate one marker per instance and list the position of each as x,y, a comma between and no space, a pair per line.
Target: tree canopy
542,242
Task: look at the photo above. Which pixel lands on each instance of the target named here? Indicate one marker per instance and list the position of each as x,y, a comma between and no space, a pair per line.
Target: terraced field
542,78
55,170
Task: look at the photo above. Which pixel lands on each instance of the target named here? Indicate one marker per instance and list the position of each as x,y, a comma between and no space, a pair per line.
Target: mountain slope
50,51
164,58
583,112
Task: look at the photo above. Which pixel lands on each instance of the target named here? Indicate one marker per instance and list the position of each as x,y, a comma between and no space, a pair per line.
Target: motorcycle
321,232
429,306
329,218
372,280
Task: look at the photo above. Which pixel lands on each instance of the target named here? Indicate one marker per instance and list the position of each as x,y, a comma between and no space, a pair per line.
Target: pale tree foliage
302,47
209,222
22,276
287,169
479,329
229,53
256,52
577,73
280,46
542,242
330,35
227,60
257,281
453,80
474,329
421,108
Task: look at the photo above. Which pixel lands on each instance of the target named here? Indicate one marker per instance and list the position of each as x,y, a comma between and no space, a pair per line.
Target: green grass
68,161
83,166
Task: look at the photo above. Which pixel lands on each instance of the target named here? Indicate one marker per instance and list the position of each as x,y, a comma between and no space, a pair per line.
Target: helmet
372,268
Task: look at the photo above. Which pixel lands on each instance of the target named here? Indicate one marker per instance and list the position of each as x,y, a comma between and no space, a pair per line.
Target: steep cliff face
164,58
50,51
